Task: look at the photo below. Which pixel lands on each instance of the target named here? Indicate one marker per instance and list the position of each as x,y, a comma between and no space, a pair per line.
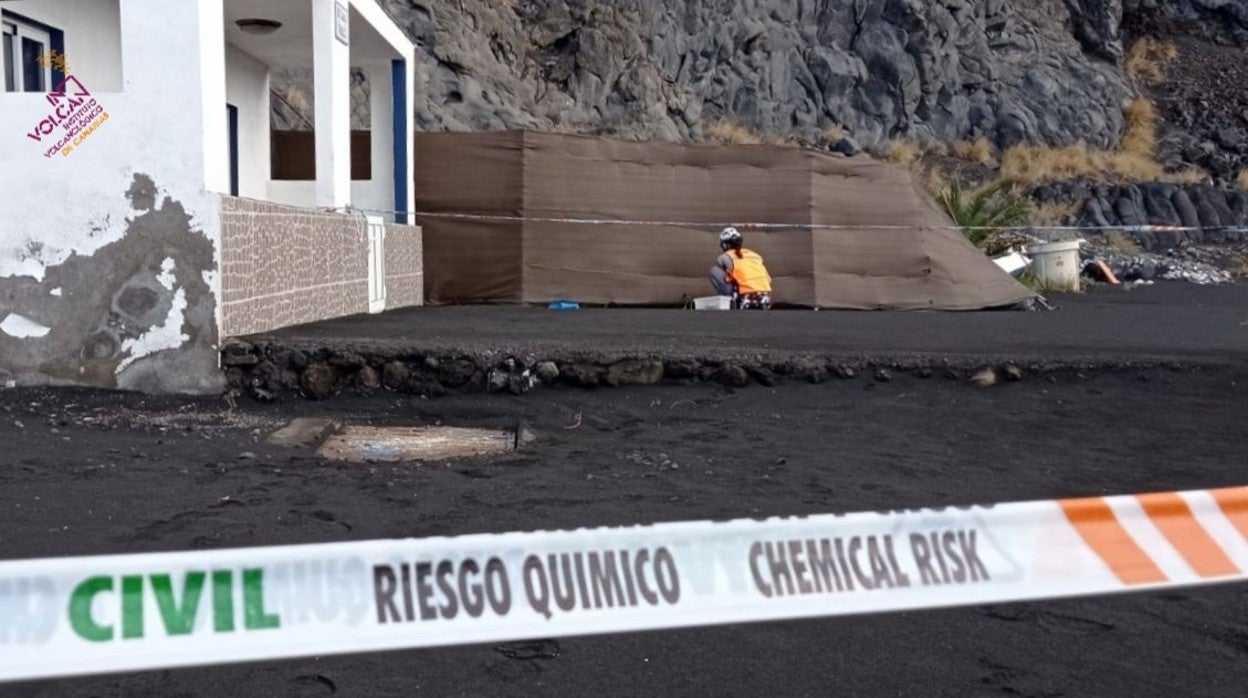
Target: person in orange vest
740,273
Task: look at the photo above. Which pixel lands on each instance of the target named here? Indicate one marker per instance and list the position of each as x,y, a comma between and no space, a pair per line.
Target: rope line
748,225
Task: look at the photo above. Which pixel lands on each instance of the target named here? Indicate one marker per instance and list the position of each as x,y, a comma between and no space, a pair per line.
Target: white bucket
712,303
1056,264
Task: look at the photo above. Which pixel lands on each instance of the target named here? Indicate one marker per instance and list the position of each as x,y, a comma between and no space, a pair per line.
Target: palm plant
984,212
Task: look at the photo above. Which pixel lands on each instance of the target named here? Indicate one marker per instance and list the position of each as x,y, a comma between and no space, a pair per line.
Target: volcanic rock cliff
1042,72
1046,71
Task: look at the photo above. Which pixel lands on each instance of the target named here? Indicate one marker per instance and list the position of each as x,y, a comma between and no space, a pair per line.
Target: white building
140,220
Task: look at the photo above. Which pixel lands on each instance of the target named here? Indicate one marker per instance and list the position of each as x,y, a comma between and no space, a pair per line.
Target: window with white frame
24,46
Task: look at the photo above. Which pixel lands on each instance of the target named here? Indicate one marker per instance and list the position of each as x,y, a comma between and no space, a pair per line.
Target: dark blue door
231,115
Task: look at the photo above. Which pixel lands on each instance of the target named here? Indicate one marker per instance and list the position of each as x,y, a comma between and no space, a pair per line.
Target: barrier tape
62,617
500,218
807,226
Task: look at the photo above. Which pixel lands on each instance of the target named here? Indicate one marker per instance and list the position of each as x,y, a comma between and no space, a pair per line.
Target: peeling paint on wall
167,335
137,313
166,277
22,327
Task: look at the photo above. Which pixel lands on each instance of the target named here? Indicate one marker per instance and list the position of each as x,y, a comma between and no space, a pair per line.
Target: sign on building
342,23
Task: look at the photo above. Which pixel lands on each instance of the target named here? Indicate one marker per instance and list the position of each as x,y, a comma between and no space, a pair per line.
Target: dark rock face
1046,71
1097,25
1043,70
1221,20
1223,213
1204,108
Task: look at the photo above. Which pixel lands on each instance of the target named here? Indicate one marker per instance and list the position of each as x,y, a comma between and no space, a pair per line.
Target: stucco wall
247,87
374,196
293,192
92,36
108,254
365,195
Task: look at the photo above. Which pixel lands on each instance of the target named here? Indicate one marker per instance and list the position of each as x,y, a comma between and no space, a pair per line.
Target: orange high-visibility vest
749,273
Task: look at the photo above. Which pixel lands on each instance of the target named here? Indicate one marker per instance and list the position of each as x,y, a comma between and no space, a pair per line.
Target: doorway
231,117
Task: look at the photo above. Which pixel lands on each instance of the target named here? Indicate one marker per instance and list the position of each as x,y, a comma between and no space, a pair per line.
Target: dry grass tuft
1147,58
1140,137
834,133
980,150
1121,243
729,133
1239,267
1134,167
903,152
1134,161
784,140
933,180
1242,179
1187,175
1054,214
1035,164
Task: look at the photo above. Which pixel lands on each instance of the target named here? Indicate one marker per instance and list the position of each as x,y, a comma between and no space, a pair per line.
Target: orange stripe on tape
1234,504
1100,529
1174,519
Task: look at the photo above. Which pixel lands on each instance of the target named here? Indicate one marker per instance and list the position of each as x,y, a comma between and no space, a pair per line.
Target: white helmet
729,238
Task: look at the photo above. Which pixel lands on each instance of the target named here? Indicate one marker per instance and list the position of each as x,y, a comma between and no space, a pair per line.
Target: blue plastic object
565,305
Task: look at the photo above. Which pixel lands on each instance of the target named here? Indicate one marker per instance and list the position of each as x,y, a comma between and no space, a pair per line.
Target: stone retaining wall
267,371
1220,214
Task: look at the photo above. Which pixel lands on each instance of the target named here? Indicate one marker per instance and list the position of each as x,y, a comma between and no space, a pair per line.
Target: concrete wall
108,255
92,36
284,266
373,195
301,193
247,87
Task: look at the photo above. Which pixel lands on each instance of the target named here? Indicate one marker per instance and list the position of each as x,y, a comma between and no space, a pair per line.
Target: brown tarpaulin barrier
533,176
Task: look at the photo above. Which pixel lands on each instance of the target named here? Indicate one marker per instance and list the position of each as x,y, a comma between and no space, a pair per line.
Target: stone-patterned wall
405,266
282,266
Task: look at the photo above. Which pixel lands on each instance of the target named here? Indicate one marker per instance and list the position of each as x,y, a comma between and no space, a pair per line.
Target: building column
331,66
381,130
211,47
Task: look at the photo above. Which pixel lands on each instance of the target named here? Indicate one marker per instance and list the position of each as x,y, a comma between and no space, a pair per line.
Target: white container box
1013,264
1057,264
712,303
